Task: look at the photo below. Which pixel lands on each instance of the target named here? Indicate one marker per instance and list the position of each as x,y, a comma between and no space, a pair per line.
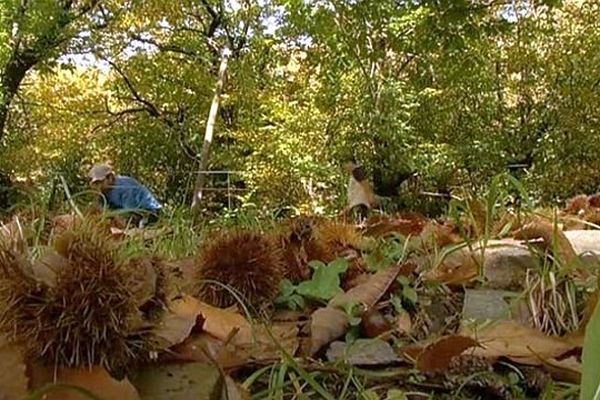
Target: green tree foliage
457,91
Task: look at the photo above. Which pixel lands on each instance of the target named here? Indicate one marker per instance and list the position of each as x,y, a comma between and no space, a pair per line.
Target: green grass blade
590,380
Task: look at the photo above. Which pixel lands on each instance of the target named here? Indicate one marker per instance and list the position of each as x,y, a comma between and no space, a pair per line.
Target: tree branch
151,108
168,47
217,18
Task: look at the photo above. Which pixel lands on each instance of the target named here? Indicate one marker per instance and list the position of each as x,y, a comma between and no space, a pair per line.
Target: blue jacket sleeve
130,194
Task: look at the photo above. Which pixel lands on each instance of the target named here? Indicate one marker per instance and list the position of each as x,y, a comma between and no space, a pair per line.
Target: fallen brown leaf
575,338
405,224
437,356
178,322
264,349
457,268
327,324
404,324
184,271
567,370
564,250
220,323
206,348
233,391
517,342
241,342
577,204
368,293
289,316
95,380
411,352
330,323
13,379
439,235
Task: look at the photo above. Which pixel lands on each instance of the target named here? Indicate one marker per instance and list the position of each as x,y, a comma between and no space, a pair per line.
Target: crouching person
126,194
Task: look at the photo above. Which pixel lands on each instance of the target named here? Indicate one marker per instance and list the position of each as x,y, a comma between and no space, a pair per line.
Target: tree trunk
12,76
210,126
24,59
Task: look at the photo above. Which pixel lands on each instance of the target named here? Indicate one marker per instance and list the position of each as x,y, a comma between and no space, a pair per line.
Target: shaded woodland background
458,91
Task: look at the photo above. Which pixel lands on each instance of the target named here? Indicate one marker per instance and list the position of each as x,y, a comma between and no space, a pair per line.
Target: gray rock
586,243
365,352
483,305
505,263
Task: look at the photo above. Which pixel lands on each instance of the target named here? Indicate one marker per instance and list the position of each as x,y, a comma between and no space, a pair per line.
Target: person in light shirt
361,197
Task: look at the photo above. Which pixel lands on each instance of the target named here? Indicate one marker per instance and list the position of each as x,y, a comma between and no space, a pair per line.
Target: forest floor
484,304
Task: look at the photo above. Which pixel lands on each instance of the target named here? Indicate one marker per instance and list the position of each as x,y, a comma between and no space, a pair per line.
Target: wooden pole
210,127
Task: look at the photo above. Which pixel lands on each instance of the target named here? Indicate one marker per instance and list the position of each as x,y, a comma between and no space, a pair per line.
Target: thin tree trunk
13,74
210,127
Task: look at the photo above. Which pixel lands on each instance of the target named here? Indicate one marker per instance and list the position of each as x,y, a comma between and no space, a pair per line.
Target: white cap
100,172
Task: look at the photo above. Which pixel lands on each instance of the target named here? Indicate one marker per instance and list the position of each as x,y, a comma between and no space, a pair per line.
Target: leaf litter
201,350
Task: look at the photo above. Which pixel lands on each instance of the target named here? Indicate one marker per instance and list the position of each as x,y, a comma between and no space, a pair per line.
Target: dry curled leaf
555,240
517,342
234,391
567,370
327,324
411,352
577,204
178,322
439,235
404,323
220,323
95,380
437,356
404,224
330,323
207,349
369,292
204,347
457,268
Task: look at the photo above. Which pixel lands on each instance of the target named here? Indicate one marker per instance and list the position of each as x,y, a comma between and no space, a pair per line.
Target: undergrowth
479,218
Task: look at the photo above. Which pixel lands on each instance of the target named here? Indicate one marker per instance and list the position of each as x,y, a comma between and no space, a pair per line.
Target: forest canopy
449,93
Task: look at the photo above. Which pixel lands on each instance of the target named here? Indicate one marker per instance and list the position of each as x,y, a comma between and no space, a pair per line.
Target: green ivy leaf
325,282
354,310
403,280
395,394
397,303
410,294
289,298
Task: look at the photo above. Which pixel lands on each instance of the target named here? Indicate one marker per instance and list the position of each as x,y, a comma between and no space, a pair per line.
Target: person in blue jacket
125,193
